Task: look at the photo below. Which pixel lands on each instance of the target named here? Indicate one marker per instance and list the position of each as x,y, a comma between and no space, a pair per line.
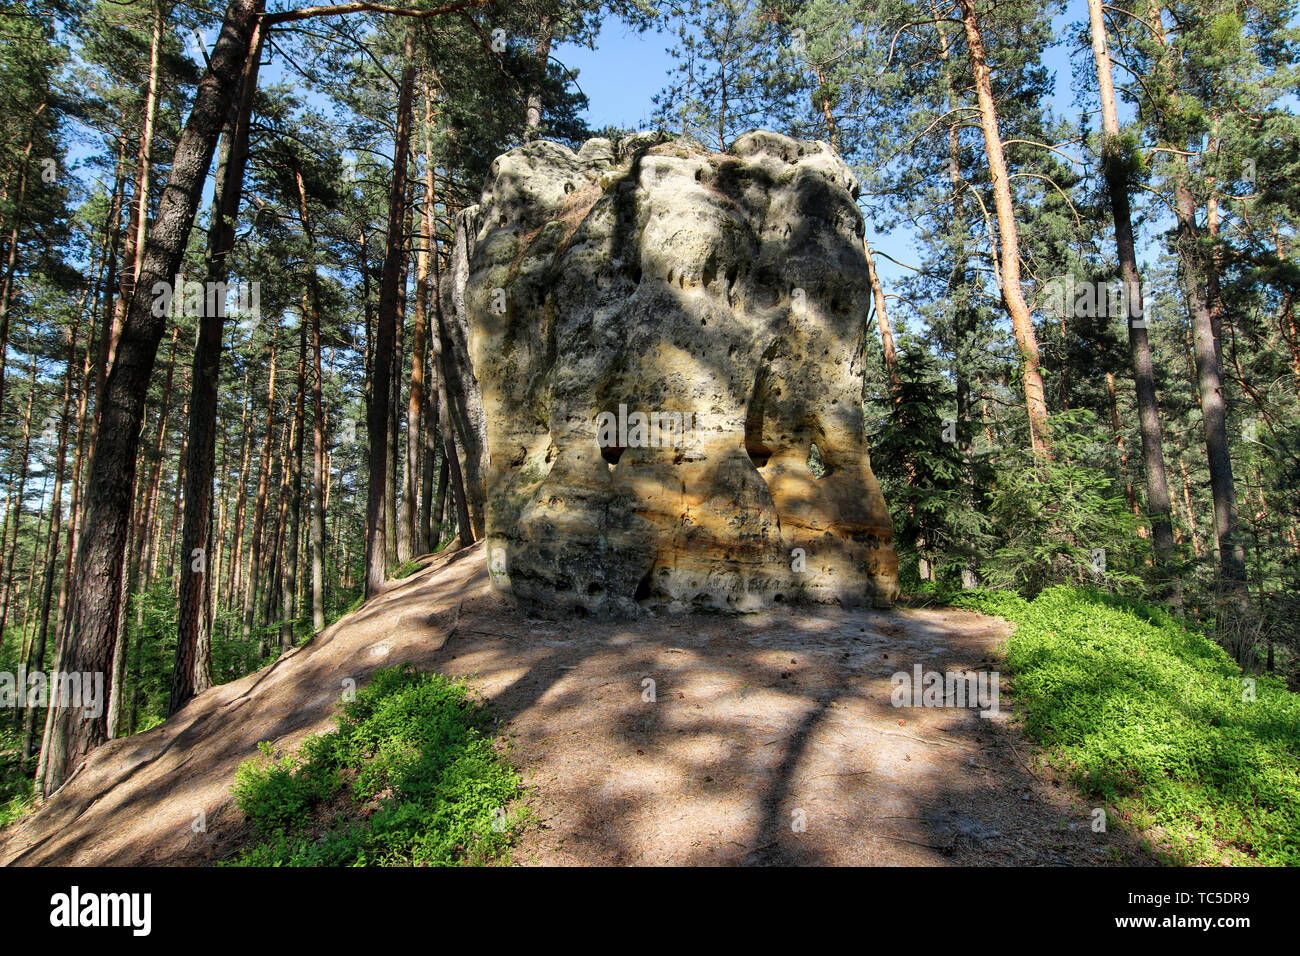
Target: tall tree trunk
109,305
256,553
378,412
1287,317
1022,322
1115,170
882,323
317,516
289,580
83,407
139,558
431,519
462,398
541,56
419,336
1194,270
463,527
400,543
234,579
1209,377
145,156
963,320
440,502
399,550
317,485
7,596
276,566
192,670
76,729
11,256
36,658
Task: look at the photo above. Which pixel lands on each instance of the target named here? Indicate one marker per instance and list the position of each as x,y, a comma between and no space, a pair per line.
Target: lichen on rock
616,295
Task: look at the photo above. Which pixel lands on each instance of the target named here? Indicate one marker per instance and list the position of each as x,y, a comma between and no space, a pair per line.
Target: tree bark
399,545
461,398
192,671
235,577
289,580
1022,322
96,597
1115,171
6,597
463,527
882,323
317,515
256,555
419,336
378,412
1194,271
1209,377
542,56
11,256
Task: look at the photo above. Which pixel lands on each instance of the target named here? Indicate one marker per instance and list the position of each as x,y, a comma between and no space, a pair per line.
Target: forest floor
770,739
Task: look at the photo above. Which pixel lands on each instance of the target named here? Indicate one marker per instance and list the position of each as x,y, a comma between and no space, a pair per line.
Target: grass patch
1154,720
404,570
17,794
16,801
409,778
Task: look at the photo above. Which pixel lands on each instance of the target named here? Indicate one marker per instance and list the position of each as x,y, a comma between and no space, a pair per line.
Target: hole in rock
612,453
710,271
595,587
755,447
757,451
643,587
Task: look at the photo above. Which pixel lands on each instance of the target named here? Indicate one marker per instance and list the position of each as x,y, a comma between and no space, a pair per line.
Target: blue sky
626,70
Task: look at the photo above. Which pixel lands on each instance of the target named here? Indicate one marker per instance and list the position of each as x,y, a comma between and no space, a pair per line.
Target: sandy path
757,724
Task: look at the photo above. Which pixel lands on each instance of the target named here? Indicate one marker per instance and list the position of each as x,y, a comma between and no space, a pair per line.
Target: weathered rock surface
730,289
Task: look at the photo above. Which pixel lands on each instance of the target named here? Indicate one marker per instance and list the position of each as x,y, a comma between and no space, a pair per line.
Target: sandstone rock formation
617,295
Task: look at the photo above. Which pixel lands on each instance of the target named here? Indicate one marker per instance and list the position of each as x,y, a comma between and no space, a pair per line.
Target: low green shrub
409,778
1158,722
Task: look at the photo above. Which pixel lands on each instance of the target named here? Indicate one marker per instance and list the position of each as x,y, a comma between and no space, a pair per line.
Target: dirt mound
768,738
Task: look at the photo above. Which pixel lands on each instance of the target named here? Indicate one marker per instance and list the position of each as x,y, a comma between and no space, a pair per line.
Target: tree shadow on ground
768,739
